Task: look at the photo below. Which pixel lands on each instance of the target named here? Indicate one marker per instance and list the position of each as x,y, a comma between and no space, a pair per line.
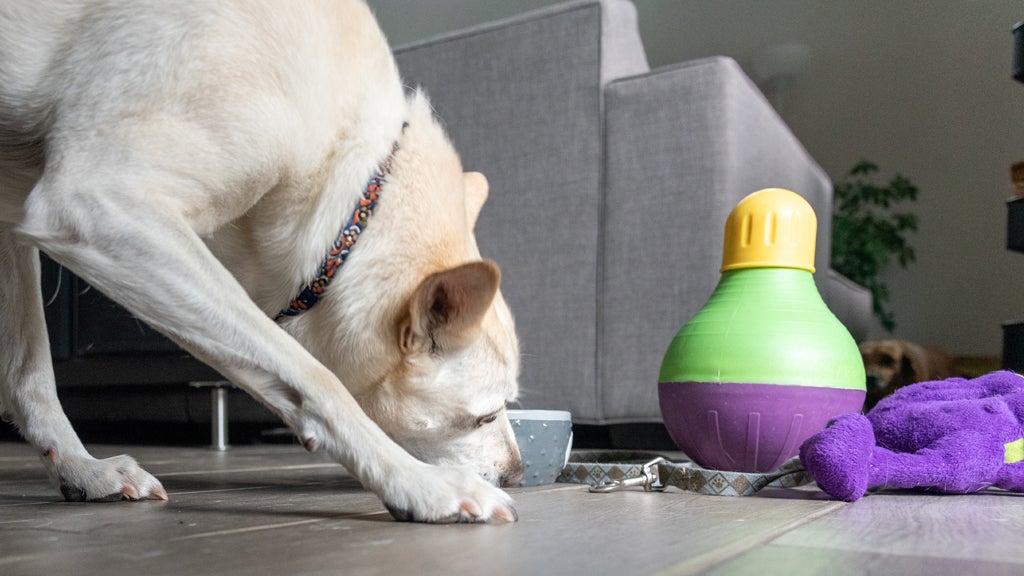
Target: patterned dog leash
659,473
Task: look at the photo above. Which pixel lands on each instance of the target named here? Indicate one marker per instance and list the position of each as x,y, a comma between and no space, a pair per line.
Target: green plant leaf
867,236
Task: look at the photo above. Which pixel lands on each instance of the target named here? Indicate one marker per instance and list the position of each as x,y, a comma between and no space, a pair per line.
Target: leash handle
649,478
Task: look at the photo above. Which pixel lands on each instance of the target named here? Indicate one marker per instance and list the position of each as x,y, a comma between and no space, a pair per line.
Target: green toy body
765,326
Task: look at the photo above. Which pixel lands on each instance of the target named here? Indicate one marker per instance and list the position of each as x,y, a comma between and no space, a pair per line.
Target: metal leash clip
649,479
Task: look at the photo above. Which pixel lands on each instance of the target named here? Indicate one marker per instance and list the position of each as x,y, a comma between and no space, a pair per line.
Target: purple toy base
748,427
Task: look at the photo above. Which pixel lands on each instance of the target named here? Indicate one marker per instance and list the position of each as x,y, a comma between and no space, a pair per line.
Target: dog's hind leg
28,395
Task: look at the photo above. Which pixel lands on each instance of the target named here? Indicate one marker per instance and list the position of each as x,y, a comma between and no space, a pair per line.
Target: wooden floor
277,510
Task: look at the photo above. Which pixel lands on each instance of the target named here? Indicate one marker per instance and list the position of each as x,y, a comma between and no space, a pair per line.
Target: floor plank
974,526
277,510
806,561
280,510
902,533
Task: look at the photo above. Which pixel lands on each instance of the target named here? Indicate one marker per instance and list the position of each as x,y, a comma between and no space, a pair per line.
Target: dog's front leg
146,257
28,395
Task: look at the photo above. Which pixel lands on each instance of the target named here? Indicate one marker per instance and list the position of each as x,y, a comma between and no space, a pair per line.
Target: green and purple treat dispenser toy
764,364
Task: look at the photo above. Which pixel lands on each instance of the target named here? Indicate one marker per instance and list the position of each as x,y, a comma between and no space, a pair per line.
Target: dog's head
453,341
888,365
447,402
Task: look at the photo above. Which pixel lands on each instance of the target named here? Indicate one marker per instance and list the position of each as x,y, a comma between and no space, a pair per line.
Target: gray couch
610,184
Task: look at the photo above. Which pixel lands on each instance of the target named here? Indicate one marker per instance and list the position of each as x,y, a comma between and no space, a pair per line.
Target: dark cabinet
1013,332
95,342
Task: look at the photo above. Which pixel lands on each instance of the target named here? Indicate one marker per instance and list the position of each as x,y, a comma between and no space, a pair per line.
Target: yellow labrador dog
250,178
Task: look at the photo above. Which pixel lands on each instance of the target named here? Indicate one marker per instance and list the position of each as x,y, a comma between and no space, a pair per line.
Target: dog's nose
513,477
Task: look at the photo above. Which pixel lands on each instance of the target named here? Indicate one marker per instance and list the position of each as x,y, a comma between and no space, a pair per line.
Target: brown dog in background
890,364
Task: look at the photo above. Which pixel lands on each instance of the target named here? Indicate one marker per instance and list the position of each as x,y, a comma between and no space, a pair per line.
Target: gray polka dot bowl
545,439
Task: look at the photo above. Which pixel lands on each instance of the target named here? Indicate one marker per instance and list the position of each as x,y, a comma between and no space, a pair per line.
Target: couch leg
218,413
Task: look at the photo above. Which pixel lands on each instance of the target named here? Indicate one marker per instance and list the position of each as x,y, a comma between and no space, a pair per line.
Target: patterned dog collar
346,240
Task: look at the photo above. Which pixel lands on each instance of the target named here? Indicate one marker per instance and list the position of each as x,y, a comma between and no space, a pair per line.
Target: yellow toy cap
771,228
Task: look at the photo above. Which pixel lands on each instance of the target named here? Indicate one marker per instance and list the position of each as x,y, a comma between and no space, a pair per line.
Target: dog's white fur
194,161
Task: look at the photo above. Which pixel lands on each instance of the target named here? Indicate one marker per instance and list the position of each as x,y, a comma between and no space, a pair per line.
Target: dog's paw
86,479
446,495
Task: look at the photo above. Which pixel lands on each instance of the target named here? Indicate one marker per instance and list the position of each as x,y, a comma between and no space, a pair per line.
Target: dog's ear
476,194
914,364
908,371
867,350
447,308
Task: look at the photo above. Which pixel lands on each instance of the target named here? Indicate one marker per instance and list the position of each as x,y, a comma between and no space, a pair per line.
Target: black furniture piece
111,367
1013,332
95,342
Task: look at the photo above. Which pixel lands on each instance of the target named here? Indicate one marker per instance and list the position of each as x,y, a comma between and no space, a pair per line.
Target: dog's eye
486,419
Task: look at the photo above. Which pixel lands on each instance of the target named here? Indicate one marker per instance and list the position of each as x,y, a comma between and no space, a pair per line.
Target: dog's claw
508,514
469,508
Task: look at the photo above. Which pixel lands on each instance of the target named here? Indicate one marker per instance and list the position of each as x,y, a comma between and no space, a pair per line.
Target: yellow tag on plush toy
1014,451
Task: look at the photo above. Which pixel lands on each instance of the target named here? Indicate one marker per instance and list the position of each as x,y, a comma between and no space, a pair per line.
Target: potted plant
868,232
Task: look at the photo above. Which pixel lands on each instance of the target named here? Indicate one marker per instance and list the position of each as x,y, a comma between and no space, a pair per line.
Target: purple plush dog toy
954,435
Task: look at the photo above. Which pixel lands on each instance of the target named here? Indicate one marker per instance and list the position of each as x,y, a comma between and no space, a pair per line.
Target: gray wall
921,88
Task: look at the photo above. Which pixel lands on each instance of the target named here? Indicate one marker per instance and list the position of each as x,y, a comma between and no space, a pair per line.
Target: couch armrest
683,145
851,303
